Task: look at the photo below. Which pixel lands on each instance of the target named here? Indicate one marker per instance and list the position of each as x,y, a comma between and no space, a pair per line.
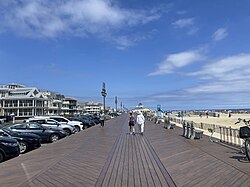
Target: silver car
46,122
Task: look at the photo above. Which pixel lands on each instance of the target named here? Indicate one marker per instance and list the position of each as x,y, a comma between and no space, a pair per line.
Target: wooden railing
227,134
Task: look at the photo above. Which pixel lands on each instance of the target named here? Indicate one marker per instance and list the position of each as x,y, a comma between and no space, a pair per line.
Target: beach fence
226,134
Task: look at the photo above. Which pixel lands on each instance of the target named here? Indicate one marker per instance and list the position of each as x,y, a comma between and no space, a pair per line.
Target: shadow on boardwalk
110,157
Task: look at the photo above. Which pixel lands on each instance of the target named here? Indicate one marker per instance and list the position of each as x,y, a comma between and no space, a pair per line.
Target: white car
47,122
77,124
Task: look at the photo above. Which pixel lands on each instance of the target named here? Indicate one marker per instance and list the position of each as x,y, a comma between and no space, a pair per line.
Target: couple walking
140,121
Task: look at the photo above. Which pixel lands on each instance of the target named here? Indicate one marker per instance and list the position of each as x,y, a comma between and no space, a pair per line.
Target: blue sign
158,107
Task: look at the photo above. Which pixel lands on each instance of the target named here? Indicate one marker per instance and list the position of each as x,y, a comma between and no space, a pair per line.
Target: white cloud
221,87
223,82
226,75
123,41
182,23
126,41
229,68
178,60
220,34
187,24
51,19
193,30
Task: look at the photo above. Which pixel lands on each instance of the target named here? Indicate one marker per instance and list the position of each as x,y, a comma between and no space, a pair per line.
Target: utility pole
104,93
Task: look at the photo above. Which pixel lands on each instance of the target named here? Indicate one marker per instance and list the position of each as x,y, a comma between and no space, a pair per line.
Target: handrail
226,134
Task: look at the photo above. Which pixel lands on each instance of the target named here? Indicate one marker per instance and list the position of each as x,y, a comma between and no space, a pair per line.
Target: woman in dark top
131,123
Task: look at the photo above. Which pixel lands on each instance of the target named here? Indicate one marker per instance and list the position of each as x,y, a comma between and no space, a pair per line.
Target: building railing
226,134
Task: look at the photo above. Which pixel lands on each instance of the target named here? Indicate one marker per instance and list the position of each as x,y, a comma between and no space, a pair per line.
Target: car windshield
35,126
10,132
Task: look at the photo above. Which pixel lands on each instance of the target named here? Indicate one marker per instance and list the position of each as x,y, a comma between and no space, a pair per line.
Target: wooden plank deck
198,162
133,162
110,156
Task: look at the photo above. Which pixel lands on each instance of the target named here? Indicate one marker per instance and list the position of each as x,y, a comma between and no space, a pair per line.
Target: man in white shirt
141,121
102,118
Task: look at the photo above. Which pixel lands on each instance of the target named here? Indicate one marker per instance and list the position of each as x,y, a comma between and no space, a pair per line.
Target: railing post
184,129
234,137
223,134
220,134
188,130
231,134
192,133
227,134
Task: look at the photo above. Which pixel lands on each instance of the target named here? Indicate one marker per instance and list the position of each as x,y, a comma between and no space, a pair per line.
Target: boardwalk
110,157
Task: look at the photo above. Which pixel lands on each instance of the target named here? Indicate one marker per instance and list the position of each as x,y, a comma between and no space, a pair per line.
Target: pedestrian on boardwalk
141,122
102,118
131,123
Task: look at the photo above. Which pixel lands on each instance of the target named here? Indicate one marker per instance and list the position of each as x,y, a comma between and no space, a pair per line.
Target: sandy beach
223,120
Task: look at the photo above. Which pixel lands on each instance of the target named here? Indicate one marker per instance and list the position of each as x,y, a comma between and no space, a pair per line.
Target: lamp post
121,106
104,93
116,103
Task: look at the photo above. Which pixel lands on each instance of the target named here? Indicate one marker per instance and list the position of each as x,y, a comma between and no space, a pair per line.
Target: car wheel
1,157
54,137
67,131
77,129
23,146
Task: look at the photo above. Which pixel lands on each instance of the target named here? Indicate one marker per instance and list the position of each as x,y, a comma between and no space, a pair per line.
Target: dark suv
27,141
46,134
9,148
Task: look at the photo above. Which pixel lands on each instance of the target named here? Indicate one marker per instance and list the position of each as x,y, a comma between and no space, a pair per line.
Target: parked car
27,141
93,118
114,114
77,124
1,121
107,117
86,122
96,119
46,122
9,148
46,134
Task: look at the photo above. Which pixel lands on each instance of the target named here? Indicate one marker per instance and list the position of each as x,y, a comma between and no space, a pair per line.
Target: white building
22,101
55,101
140,108
70,106
26,102
58,104
92,108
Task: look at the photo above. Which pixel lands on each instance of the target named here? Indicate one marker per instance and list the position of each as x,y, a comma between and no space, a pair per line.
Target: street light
104,93
116,103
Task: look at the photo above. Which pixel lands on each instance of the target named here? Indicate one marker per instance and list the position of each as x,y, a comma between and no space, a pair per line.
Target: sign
158,107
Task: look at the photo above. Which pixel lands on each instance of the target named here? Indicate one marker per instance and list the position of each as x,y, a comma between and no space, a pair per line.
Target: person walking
141,122
131,123
102,118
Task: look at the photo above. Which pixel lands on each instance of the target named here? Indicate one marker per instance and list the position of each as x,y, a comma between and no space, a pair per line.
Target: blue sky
188,54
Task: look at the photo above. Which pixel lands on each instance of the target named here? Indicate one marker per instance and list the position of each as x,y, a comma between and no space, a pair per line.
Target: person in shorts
141,122
131,123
